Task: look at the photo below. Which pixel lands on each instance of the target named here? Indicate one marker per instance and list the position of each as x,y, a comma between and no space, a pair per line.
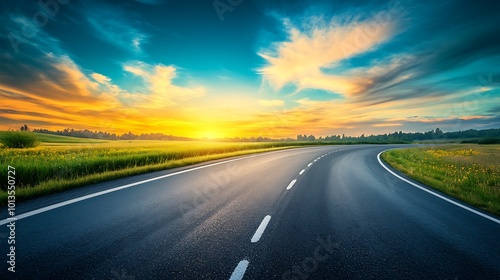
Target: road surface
330,212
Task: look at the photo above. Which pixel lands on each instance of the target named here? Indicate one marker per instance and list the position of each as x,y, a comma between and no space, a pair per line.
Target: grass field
470,173
62,163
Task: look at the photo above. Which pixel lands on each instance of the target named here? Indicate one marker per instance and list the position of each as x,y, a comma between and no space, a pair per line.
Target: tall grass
65,183
41,164
470,173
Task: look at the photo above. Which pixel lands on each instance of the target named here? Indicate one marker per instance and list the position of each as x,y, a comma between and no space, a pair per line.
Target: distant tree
128,136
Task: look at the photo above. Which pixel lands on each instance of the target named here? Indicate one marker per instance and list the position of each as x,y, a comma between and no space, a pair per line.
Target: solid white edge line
260,230
239,271
436,194
85,197
300,173
291,184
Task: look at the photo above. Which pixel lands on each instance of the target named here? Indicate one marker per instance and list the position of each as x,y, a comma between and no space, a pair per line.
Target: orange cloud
300,60
161,92
70,98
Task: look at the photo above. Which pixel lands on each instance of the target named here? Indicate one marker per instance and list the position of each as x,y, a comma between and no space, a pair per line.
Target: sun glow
211,134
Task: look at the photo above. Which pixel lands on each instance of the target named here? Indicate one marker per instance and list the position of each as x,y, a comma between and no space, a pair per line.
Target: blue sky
249,68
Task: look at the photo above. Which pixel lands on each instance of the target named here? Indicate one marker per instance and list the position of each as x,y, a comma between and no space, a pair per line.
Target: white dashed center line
261,228
309,164
239,271
302,171
291,184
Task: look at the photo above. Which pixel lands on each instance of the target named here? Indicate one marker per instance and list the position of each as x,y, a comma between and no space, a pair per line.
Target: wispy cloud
115,27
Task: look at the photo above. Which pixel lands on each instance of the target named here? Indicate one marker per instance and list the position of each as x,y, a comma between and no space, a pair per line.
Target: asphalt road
331,212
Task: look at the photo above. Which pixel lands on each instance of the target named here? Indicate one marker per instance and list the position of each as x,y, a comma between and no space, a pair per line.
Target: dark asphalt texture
346,217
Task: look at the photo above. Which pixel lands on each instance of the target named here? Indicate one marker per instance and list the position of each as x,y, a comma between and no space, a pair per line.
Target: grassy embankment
62,163
470,173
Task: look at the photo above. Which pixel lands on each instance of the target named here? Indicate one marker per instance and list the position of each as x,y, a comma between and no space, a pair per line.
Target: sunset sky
230,68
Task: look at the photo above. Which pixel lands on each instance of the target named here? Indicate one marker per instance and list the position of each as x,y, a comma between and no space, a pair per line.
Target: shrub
18,139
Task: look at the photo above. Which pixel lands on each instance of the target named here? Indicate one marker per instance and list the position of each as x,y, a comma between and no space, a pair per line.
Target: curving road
311,213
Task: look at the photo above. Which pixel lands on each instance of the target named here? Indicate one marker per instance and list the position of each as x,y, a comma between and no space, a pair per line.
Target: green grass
54,167
69,182
470,173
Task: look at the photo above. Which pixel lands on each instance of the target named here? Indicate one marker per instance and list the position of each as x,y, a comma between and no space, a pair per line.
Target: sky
228,68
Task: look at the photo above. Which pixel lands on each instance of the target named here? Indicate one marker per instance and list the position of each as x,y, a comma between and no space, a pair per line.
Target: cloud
271,103
45,87
376,73
57,96
308,103
387,124
100,78
158,81
136,42
67,97
115,27
107,86
301,59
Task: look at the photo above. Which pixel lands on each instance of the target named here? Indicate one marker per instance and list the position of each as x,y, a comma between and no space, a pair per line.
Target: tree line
85,133
394,137
435,134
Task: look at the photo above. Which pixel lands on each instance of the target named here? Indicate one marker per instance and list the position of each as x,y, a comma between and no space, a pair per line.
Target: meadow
62,163
470,173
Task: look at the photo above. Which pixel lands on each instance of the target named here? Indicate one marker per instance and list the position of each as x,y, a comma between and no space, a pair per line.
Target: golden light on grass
54,167
468,172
